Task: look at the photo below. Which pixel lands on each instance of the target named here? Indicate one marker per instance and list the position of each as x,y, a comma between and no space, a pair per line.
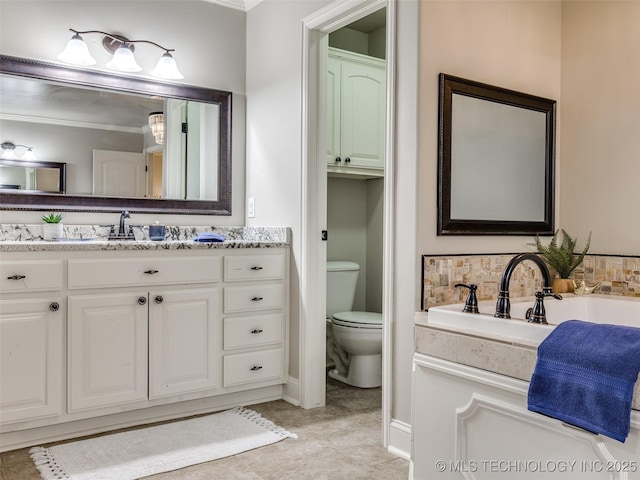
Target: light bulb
167,68
123,60
76,52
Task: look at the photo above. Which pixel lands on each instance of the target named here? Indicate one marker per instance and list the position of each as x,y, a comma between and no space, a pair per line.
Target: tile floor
339,441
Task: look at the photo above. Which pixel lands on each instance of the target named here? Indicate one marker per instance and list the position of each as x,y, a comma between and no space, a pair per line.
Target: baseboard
291,391
400,439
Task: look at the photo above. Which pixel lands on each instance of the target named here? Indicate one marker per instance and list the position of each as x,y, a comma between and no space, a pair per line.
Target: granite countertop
484,352
29,238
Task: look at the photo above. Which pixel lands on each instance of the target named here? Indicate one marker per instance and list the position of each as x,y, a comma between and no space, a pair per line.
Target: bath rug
147,451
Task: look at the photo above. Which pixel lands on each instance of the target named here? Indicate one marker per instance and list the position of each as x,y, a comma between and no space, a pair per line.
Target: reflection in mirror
496,160
32,176
100,125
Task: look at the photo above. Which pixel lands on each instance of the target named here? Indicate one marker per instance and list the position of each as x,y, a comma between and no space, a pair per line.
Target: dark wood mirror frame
447,225
120,83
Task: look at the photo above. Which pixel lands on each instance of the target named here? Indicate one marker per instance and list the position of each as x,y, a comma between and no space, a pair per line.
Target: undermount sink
75,240
593,308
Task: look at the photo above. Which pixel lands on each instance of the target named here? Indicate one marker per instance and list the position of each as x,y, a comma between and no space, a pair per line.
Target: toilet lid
358,319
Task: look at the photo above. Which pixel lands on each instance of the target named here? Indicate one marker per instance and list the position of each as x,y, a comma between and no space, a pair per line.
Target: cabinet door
107,350
362,115
333,112
31,356
183,342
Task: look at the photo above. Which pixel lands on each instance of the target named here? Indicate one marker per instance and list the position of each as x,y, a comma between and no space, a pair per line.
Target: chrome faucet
503,306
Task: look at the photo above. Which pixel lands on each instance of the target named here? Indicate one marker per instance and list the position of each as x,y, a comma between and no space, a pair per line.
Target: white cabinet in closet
355,114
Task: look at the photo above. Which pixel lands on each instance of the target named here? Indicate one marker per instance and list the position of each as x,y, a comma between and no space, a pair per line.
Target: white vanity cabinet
355,114
255,300
96,339
148,342
31,339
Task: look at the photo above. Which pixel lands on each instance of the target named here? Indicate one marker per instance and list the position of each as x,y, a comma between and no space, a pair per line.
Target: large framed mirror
128,143
496,160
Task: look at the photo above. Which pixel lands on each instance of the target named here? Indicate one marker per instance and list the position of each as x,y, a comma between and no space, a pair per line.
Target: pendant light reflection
156,122
77,53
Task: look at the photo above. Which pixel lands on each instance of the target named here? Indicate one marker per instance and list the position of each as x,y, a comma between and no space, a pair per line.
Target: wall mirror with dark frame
98,125
496,160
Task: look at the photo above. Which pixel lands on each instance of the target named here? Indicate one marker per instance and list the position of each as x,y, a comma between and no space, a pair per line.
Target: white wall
274,116
354,222
347,226
600,181
210,51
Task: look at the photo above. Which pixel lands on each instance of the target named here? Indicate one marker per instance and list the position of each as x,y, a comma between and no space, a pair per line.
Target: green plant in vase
52,228
562,257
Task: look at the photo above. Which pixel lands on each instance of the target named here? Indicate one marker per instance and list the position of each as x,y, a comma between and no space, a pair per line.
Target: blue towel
209,237
585,375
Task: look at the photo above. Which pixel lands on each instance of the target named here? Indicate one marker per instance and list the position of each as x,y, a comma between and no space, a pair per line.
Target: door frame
316,28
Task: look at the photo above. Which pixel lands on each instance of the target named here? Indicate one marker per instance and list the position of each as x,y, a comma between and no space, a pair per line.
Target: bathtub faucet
503,306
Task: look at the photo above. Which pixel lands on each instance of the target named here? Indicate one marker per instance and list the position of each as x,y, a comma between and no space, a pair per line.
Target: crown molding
244,5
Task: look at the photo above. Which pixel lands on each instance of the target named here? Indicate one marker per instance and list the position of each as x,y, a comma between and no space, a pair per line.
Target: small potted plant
52,228
562,258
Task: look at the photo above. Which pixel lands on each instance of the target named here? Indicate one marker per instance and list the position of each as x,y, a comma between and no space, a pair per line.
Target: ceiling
39,101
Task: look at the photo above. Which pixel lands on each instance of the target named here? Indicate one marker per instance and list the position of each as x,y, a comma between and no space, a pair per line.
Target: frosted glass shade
167,68
76,52
124,61
29,156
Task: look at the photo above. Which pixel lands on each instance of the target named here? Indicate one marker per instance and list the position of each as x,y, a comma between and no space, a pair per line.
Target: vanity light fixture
156,122
8,152
77,53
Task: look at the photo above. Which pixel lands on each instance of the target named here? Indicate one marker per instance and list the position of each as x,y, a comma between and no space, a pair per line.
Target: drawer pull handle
151,272
17,277
54,306
255,368
142,300
256,299
255,331
158,299
256,268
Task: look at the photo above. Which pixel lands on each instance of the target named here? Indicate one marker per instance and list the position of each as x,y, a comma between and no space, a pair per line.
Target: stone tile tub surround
620,275
30,237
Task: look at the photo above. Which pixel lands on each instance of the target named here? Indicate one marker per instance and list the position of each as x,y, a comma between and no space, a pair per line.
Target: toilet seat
364,320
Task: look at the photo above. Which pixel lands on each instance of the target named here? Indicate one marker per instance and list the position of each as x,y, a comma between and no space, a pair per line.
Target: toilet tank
342,279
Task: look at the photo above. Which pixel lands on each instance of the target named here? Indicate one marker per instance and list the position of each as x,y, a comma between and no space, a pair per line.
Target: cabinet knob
54,306
142,300
256,331
256,299
256,268
151,272
255,368
158,299
17,277
338,160
347,160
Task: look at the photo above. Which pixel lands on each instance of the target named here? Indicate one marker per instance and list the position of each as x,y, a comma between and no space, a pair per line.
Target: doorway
317,28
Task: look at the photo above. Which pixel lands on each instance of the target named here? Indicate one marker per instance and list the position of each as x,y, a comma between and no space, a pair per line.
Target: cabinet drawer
255,331
253,367
119,272
258,267
252,297
31,276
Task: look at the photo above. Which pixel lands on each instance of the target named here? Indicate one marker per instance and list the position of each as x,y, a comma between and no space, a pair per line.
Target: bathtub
592,308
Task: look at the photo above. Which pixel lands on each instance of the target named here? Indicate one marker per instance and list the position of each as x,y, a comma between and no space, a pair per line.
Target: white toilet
354,339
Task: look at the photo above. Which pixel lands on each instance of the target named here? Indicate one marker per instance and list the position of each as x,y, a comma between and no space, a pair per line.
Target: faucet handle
471,305
537,314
